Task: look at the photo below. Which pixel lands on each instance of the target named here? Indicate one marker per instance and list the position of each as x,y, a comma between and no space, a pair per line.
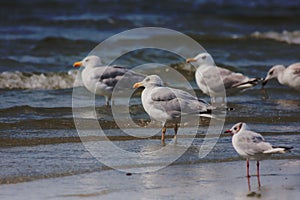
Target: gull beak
264,82
189,60
77,64
137,85
228,131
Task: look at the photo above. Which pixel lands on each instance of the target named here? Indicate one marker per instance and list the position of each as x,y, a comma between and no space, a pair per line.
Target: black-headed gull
168,105
289,76
212,83
101,80
252,145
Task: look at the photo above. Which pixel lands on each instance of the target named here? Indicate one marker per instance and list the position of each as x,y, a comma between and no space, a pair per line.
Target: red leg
257,173
249,186
247,164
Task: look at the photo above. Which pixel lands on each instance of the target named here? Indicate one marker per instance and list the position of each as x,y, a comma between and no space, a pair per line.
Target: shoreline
227,180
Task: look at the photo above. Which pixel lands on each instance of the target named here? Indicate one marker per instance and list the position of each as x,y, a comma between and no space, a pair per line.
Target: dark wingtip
229,109
256,81
253,82
284,147
289,148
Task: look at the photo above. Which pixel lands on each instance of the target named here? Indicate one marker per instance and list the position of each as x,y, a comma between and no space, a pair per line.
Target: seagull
101,80
168,105
213,84
289,76
252,145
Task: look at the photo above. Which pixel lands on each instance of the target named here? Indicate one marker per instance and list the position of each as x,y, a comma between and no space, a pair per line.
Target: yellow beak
77,64
137,85
189,60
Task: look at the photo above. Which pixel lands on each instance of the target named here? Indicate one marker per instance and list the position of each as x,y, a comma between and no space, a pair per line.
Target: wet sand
225,180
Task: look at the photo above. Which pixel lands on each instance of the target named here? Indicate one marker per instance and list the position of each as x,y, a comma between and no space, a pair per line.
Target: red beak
228,131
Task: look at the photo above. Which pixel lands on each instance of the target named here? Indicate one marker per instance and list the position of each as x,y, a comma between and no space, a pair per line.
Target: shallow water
193,181
39,41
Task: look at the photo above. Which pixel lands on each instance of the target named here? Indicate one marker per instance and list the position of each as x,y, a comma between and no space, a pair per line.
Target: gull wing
177,102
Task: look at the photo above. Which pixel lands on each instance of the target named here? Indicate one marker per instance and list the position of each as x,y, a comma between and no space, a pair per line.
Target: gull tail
211,116
247,84
207,115
278,149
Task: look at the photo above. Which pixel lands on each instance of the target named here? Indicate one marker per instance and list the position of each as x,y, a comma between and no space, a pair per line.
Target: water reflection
287,104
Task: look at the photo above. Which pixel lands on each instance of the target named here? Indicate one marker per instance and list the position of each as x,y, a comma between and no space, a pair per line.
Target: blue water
40,40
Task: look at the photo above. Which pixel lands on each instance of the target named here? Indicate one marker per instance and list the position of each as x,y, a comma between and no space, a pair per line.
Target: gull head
237,128
273,73
202,59
89,61
151,80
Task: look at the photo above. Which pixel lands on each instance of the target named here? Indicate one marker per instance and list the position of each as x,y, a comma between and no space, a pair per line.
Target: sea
40,41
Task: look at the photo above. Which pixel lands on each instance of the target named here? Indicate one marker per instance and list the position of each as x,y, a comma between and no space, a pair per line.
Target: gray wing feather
225,79
176,102
231,78
110,75
257,139
253,143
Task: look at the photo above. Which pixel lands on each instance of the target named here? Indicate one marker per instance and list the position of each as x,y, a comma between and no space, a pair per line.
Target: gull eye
87,60
271,72
235,128
203,57
147,79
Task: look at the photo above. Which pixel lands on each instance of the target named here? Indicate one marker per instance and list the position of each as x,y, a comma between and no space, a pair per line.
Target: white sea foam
290,37
52,80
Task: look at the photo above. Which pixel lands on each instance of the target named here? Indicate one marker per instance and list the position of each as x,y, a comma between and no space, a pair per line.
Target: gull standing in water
252,145
168,105
101,80
212,80
289,76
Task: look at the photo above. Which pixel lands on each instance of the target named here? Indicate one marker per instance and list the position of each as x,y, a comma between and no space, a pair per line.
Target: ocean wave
290,37
51,80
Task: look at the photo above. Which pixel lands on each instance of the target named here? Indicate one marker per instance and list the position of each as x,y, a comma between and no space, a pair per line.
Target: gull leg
175,133
175,130
213,100
107,100
249,186
164,129
265,95
111,100
257,173
247,164
248,176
